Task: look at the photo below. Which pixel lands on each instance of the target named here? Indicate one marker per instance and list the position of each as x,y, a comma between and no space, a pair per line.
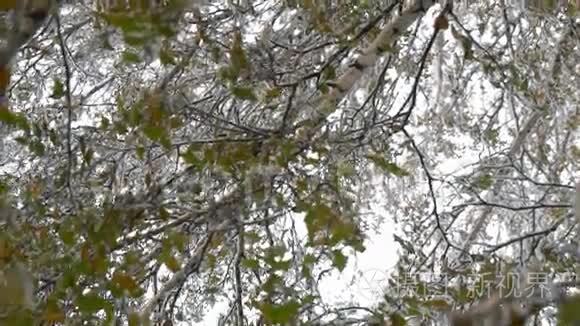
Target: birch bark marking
326,104
382,43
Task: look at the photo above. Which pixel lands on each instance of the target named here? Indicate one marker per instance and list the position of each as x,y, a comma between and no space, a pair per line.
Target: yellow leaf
16,286
172,264
154,108
124,281
4,77
6,5
53,314
6,250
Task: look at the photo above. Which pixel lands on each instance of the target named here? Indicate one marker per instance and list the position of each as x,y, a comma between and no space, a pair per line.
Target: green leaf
58,89
226,73
121,20
134,116
37,129
273,258
280,314
134,319
166,57
316,218
3,188
190,157
210,155
172,263
126,282
13,119
572,8
387,166
484,181
280,265
341,232
309,259
238,58
140,152
135,40
175,123
437,304
397,320
131,57
345,169
18,317
329,73
569,312
165,141
339,260
492,135
91,303
250,263
271,283
37,147
88,155
273,92
53,313
67,236
53,137
244,93
154,133
163,213
105,123
120,127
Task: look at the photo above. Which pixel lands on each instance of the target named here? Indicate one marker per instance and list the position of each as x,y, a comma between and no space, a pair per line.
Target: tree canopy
157,157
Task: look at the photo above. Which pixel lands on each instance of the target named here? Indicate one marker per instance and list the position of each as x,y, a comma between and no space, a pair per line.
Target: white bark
326,104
